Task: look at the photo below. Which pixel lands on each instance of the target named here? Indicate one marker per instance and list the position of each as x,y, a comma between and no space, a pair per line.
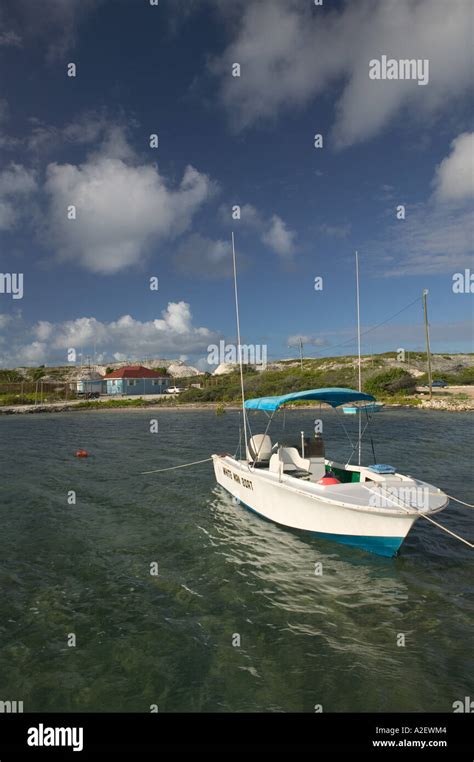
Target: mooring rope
459,501
445,529
408,508
415,512
173,468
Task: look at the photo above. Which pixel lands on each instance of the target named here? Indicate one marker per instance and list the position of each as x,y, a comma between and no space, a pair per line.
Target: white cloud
279,238
121,207
290,52
273,231
43,330
252,218
5,320
437,234
454,180
431,240
29,354
88,127
174,334
315,341
16,180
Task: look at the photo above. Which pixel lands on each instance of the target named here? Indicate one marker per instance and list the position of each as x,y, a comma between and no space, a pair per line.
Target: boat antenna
238,343
358,349
427,339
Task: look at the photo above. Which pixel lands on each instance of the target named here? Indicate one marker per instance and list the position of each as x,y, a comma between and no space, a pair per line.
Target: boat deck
394,494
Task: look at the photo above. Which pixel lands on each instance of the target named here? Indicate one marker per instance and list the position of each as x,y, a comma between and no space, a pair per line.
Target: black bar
430,735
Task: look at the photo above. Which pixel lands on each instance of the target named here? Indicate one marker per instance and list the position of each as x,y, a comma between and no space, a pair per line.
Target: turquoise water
223,572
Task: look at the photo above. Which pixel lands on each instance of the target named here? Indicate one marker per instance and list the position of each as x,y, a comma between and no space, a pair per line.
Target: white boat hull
311,508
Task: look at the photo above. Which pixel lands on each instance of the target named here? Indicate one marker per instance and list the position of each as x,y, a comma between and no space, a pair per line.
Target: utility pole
427,336
300,345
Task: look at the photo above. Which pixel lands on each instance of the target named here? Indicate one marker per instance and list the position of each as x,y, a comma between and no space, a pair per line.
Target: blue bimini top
333,396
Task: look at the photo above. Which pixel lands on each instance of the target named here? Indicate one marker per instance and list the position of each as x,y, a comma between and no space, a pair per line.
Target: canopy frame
333,396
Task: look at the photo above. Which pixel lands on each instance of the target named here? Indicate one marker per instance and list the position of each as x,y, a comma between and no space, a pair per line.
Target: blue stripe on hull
382,546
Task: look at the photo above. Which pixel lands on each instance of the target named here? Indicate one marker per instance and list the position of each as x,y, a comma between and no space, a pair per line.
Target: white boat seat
274,464
292,460
259,449
317,468
277,466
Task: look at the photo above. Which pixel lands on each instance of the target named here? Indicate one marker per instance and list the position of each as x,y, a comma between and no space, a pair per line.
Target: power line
369,330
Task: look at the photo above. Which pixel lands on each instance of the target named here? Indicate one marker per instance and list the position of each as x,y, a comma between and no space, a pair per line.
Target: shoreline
435,404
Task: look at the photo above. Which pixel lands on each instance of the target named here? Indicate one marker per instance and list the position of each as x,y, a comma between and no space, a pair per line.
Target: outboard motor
314,448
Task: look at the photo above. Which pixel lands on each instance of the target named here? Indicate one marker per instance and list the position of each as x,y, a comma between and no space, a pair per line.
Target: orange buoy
327,480
82,454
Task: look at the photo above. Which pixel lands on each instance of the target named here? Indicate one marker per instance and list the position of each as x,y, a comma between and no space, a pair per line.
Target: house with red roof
136,379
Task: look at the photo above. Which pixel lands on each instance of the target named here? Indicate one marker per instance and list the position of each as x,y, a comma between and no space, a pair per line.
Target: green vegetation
399,399
30,398
10,377
17,399
37,374
463,377
226,388
382,376
138,402
392,381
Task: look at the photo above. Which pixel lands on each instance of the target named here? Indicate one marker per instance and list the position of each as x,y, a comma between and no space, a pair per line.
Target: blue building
136,379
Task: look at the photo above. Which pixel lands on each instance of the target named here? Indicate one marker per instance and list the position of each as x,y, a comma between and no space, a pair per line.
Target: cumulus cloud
174,332
172,335
16,179
272,231
454,179
279,238
30,354
122,206
290,52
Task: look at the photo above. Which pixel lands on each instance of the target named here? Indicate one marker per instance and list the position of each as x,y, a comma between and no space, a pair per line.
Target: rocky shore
454,406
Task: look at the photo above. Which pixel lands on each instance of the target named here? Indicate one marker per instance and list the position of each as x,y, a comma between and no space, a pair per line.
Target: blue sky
225,140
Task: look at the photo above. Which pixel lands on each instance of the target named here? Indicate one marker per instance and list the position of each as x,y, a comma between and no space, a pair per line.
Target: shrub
461,377
391,381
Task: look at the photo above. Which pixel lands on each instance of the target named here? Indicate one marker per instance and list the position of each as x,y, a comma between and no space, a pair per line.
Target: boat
369,507
369,407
